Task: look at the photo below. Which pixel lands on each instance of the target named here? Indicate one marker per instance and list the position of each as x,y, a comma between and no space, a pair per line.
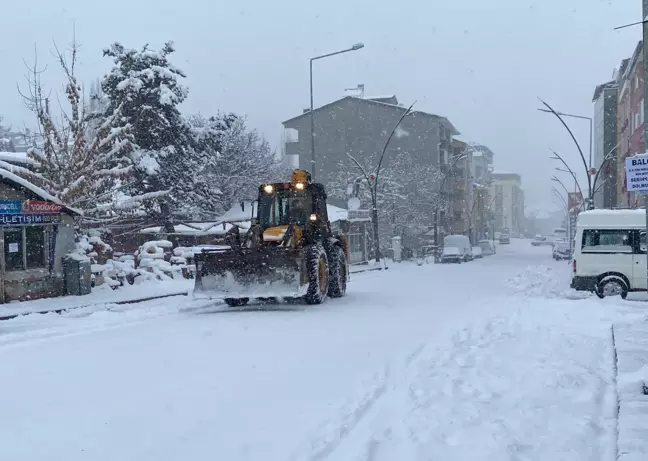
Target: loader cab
299,202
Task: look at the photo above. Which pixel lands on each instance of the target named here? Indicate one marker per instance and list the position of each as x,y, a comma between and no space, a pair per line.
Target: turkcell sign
10,207
637,173
27,219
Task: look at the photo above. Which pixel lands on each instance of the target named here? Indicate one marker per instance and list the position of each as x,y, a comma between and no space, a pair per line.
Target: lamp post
588,168
582,117
355,47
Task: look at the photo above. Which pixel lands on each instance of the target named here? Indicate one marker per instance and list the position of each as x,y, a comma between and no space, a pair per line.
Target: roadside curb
66,309
630,342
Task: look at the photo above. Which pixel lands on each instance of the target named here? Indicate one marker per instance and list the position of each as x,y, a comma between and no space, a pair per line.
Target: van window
607,241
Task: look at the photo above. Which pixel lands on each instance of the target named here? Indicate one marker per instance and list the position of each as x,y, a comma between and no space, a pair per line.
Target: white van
610,252
461,243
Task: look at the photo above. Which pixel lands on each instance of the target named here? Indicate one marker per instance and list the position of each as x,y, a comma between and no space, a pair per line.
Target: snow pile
544,282
154,258
631,342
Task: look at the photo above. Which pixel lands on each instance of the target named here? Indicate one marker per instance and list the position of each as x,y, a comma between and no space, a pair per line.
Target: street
488,360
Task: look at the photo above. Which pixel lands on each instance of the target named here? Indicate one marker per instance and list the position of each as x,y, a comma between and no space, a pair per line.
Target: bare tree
83,159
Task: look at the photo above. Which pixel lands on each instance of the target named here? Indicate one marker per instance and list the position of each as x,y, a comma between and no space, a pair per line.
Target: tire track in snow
359,434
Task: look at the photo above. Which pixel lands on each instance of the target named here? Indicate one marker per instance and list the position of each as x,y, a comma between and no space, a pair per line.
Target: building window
13,249
24,247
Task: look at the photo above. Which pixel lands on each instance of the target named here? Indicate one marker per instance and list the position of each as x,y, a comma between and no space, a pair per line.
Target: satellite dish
353,203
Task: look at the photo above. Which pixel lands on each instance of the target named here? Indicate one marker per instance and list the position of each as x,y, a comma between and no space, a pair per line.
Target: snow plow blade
271,272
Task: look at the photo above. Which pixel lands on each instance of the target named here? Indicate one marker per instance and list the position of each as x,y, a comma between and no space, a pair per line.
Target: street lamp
354,47
582,117
588,169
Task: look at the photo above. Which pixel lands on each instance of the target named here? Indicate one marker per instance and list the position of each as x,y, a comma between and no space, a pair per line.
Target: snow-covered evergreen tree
81,158
236,161
145,87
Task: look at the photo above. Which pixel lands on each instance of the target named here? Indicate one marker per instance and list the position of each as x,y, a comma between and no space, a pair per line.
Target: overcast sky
480,63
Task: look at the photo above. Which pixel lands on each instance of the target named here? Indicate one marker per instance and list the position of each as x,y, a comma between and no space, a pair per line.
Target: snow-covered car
477,252
504,239
540,240
460,242
561,251
452,255
487,247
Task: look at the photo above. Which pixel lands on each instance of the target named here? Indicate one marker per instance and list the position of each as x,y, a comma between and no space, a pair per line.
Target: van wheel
613,286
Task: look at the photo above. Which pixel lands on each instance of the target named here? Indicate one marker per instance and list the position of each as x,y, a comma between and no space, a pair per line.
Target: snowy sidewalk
631,342
99,295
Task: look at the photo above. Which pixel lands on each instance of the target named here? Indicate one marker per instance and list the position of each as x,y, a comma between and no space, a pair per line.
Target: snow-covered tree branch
80,155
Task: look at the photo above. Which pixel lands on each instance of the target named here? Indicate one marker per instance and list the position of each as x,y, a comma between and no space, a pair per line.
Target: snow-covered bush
154,258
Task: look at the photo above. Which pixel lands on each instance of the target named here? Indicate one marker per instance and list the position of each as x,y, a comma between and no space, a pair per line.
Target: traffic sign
637,173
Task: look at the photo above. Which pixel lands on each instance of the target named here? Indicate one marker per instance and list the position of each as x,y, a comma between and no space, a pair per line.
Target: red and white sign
41,207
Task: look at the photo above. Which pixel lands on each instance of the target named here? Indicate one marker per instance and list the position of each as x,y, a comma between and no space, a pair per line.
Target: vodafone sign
40,207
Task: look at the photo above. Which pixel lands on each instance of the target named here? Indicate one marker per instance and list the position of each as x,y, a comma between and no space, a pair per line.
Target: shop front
36,232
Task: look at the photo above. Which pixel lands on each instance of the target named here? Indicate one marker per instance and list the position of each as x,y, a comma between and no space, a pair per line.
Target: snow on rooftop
336,213
384,96
195,228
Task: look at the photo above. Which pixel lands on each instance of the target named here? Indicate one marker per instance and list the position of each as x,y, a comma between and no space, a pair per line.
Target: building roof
603,86
445,120
498,174
21,183
387,98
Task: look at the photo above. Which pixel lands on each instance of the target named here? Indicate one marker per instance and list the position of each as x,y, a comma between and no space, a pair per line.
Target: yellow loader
289,251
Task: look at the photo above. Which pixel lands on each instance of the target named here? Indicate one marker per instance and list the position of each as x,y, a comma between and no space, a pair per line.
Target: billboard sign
636,168
10,207
29,219
41,207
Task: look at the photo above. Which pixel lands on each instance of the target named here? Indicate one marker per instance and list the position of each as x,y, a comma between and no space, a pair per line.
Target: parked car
462,243
487,247
561,251
477,252
504,239
610,253
451,255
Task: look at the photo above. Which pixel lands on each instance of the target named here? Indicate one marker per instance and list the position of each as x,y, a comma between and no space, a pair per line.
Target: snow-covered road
481,361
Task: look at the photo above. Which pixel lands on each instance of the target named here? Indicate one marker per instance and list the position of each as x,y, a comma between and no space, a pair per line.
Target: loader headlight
299,186
313,217
268,188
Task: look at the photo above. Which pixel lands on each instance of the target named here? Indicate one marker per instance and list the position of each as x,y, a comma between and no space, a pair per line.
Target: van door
607,250
639,276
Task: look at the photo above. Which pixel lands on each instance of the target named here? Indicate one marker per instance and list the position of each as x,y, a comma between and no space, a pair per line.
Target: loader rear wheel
318,274
338,273
236,302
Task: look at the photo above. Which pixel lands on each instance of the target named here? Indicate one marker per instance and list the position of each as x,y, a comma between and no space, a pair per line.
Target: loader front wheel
338,273
236,302
318,274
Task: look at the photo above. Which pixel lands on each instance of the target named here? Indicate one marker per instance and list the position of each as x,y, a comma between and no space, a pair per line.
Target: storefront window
18,255
13,249
35,248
